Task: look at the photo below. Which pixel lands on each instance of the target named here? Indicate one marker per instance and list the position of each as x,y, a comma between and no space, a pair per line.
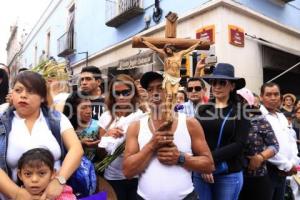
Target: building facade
261,38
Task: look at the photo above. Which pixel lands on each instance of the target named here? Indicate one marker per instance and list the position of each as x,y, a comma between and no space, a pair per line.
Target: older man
284,162
164,159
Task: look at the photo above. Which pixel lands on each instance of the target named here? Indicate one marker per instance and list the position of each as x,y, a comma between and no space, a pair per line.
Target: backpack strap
53,118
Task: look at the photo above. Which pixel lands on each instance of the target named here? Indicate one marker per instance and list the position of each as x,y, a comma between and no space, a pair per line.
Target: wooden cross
167,48
170,37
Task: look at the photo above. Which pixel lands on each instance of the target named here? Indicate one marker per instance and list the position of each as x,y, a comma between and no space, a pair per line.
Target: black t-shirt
235,133
97,108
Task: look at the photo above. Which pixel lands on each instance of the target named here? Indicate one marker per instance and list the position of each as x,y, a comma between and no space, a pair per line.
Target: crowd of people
225,142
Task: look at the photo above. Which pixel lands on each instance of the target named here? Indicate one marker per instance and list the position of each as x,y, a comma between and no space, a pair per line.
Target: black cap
148,77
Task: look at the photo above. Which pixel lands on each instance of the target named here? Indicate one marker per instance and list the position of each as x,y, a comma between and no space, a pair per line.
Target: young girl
36,171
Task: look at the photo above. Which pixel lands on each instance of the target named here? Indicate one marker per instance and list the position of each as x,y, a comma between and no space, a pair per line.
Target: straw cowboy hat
289,95
225,71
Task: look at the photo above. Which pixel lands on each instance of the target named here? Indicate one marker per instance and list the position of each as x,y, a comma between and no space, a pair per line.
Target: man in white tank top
164,159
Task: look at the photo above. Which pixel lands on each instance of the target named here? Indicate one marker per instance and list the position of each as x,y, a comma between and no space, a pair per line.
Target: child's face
85,111
35,180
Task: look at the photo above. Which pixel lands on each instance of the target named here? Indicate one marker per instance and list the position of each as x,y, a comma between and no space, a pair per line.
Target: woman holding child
30,124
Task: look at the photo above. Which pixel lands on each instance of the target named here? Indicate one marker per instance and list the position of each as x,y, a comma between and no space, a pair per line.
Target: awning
273,45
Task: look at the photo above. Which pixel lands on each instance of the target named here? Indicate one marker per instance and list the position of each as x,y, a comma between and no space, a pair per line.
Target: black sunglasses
219,82
124,93
197,89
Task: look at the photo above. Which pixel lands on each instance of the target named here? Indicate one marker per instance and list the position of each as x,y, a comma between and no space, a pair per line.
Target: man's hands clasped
166,151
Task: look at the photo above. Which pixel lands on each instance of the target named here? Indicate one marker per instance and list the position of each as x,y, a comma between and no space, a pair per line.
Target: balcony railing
120,11
66,44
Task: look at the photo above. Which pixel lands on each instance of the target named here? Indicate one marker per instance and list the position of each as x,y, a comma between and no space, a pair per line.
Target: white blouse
286,157
21,140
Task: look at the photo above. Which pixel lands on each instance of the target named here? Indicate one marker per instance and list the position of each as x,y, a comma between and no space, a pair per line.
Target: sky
26,12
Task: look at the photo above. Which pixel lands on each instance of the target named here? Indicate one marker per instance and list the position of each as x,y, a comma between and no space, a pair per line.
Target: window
48,44
70,27
66,43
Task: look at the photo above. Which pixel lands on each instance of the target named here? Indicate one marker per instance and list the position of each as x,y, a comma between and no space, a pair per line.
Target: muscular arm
202,160
135,160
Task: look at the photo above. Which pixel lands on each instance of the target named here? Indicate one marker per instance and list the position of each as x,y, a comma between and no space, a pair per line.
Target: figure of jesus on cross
172,50
172,64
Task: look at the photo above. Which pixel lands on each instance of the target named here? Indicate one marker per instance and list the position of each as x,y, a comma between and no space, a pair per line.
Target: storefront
275,62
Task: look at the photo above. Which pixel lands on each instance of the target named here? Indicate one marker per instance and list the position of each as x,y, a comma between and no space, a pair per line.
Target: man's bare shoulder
191,121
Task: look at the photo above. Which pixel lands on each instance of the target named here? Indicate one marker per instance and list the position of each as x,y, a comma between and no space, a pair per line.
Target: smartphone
211,60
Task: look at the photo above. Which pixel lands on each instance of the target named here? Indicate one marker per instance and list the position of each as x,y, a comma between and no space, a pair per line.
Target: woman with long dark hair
225,130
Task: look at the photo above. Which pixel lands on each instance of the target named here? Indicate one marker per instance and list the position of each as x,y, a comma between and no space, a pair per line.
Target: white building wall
247,60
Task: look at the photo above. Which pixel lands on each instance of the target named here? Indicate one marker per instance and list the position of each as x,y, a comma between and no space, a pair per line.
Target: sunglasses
124,93
196,88
219,82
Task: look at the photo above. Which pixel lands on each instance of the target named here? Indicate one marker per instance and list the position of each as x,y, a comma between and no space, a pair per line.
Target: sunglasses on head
196,88
220,82
124,93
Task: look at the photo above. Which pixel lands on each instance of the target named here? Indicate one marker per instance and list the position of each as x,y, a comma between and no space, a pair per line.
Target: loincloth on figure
169,78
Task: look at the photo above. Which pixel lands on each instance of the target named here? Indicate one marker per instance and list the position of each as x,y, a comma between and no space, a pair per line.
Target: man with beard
284,163
164,159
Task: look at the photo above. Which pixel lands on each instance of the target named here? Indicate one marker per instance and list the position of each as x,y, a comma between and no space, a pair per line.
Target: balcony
120,11
66,44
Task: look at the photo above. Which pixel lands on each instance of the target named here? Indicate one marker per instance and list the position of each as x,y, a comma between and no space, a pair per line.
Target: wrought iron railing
120,11
66,44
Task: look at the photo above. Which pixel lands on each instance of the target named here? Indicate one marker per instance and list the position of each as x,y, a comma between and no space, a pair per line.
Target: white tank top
164,182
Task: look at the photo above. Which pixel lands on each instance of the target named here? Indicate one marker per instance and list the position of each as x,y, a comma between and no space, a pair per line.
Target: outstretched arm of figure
154,48
183,52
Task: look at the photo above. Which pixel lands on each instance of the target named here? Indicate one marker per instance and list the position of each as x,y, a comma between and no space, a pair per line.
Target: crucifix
171,49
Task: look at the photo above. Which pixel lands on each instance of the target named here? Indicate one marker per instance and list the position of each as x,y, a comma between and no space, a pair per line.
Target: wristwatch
181,158
61,180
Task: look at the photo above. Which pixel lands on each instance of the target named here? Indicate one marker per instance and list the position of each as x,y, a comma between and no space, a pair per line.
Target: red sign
236,36
206,33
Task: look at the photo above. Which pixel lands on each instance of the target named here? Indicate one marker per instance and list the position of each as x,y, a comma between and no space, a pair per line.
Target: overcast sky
25,11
